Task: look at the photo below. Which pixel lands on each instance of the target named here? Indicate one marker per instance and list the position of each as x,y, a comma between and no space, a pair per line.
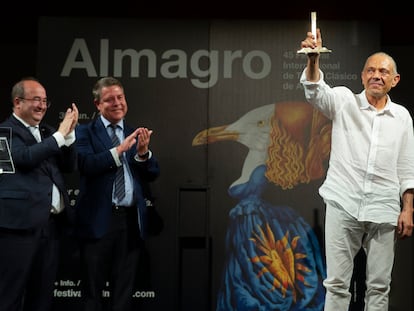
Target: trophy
6,160
313,29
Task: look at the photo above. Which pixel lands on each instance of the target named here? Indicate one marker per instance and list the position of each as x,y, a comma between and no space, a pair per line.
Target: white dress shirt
372,152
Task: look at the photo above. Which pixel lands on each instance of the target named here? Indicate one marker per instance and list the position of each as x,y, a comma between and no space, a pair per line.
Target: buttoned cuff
115,156
70,139
60,139
138,159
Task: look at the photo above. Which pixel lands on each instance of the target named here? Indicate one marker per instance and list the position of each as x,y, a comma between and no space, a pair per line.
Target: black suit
29,233
111,239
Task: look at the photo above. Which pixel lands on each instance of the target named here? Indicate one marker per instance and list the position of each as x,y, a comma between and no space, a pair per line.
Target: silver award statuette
317,49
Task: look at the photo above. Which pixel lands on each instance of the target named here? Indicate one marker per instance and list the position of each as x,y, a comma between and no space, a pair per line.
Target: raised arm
312,69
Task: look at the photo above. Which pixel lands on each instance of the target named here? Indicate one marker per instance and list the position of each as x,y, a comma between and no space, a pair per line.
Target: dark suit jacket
25,197
97,174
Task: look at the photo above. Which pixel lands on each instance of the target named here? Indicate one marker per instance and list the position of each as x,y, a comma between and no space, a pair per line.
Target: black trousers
109,265
28,267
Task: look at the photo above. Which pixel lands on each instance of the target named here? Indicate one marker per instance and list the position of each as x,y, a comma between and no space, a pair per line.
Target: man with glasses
34,204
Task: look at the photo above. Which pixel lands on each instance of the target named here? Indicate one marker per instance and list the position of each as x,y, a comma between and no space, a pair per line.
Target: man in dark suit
34,203
111,217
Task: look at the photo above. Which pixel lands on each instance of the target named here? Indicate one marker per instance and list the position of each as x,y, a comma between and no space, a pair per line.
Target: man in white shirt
370,173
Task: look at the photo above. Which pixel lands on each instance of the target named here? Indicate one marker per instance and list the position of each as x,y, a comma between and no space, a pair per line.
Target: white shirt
372,152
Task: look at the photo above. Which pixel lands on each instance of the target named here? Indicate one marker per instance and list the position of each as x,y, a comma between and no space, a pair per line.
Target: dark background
19,23
395,18
19,29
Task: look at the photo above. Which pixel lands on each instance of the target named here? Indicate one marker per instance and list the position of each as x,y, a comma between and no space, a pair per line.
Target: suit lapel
19,128
100,131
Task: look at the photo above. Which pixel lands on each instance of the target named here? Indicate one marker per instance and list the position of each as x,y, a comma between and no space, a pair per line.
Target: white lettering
135,60
229,57
175,68
103,68
79,47
211,68
266,64
203,66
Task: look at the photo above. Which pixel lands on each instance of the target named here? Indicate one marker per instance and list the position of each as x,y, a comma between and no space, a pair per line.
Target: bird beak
213,135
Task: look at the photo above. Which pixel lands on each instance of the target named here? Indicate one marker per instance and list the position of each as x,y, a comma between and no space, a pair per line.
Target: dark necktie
119,178
55,191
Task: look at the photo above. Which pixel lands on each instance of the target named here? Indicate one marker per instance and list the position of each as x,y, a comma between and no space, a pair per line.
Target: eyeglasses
38,100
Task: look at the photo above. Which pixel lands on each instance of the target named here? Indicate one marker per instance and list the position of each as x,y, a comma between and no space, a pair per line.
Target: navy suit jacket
26,195
97,174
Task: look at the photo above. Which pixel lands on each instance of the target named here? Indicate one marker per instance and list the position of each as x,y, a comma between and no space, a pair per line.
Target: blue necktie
119,177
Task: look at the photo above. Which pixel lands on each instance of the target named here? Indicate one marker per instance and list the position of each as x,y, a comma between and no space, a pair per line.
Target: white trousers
344,236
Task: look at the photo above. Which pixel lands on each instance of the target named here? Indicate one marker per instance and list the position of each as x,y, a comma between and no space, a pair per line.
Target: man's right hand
70,120
312,42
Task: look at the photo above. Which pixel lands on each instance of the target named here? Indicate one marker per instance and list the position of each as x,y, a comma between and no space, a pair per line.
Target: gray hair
104,82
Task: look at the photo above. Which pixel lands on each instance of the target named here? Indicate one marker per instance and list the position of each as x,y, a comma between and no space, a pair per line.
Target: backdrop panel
228,114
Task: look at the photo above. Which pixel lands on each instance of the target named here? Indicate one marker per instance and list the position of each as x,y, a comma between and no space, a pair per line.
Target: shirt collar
24,122
364,104
106,123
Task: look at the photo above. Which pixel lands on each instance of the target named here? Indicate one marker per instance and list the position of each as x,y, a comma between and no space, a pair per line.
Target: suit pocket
13,194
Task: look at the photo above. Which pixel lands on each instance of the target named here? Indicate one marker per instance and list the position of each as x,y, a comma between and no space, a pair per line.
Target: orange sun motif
281,260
